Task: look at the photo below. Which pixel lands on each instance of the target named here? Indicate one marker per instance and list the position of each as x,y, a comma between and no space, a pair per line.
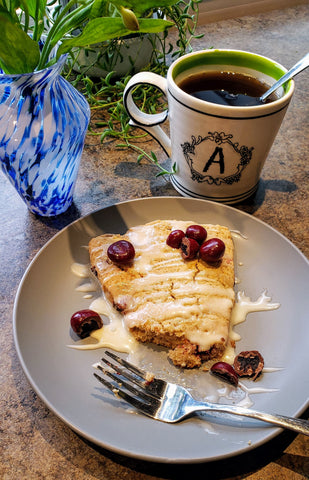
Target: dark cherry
189,248
197,232
174,238
212,250
121,251
85,321
225,372
249,364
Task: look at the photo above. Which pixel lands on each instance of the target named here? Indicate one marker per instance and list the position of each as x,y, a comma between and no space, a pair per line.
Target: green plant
24,23
109,118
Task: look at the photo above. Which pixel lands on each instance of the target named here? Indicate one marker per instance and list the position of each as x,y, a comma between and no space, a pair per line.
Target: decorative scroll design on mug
219,139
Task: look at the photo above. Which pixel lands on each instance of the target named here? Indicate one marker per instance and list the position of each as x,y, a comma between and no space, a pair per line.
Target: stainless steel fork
171,403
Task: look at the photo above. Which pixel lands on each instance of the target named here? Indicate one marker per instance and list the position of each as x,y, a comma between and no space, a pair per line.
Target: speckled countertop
35,444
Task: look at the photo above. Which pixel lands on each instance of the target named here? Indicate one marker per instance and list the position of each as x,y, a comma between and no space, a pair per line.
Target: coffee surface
226,88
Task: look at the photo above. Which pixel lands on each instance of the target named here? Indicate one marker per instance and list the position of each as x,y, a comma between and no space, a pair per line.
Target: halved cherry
249,364
225,372
189,248
83,322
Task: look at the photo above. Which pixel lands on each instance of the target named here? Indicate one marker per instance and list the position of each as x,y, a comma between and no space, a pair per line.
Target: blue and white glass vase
43,122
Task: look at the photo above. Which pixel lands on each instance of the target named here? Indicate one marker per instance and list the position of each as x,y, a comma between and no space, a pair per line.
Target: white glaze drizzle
81,270
86,287
272,369
243,306
246,401
114,335
237,233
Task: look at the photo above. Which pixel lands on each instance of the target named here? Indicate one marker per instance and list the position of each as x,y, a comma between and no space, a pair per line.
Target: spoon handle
298,67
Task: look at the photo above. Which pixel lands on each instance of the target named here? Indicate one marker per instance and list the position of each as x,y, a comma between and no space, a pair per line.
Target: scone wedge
184,305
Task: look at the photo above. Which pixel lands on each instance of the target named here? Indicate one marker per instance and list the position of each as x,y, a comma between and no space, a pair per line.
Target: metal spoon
301,65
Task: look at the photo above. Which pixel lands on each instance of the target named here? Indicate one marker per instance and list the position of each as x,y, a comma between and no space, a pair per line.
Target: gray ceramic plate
63,378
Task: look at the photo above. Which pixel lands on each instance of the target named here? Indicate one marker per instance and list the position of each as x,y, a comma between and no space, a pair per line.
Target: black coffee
226,88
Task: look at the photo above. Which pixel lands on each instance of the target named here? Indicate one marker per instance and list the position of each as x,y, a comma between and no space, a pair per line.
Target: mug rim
258,62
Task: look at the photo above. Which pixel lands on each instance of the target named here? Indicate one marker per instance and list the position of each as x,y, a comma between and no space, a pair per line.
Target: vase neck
46,74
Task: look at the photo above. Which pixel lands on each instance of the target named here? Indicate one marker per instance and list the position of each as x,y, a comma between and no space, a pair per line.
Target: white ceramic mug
219,150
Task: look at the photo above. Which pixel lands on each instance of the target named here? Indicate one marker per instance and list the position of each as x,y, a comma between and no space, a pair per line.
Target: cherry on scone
85,321
189,248
225,372
197,232
174,238
121,252
212,250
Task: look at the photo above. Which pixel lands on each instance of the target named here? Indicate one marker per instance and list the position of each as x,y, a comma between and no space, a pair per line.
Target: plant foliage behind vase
23,23
129,54
109,118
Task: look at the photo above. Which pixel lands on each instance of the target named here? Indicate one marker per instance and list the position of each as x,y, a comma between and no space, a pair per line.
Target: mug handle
148,122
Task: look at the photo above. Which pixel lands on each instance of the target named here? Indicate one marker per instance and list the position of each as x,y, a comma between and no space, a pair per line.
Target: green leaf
11,16
102,29
153,25
32,8
161,173
18,52
4,13
139,7
154,157
9,7
100,8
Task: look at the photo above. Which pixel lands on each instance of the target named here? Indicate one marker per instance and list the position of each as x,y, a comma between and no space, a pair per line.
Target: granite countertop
35,444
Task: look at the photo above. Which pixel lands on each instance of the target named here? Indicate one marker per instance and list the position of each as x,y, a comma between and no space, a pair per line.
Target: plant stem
61,26
36,21
152,158
26,13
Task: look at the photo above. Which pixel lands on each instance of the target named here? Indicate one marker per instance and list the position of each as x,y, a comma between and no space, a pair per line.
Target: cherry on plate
225,372
83,322
249,364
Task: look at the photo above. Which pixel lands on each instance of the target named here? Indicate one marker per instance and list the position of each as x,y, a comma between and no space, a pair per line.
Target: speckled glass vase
43,122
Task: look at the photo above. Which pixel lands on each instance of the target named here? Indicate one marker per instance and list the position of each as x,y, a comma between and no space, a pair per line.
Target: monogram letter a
217,151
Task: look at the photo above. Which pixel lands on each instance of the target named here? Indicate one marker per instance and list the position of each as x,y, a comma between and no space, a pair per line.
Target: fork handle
296,424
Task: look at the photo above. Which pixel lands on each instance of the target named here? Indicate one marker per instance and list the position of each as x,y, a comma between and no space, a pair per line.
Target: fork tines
144,387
